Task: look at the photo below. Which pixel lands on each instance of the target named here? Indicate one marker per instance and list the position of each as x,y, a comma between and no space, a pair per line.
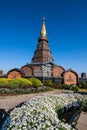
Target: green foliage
74,88
58,85
19,82
57,109
67,87
1,72
62,86
83,85
3,82
35,82
84,105
21,86
49,83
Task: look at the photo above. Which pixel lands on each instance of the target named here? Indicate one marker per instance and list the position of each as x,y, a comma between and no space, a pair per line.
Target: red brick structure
57,71
42,58
27,70
42,53
83,75
70,77
14,73
42,64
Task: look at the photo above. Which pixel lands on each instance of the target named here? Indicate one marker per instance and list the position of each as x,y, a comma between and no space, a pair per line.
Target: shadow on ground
4,114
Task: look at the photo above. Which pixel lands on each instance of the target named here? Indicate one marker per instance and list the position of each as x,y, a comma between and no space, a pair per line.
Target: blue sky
66,24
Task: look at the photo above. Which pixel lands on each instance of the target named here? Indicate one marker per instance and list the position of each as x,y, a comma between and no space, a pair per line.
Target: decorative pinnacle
43,19
43,29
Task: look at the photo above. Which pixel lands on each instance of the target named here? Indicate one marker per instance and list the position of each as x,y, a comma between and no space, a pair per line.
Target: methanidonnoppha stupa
42,64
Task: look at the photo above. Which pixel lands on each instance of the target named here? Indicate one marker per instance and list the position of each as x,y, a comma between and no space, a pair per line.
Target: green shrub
19,82
67,87
3,82
74,88
57,109
35,82
49,83
57,86
83,85
25,82
84,105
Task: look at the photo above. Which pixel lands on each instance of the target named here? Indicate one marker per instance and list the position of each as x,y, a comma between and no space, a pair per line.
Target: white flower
40,113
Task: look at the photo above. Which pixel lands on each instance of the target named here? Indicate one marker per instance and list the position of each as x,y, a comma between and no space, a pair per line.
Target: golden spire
43,29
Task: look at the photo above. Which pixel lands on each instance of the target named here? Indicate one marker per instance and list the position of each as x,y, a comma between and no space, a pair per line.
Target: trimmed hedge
19,82
35,82
4,82
24,83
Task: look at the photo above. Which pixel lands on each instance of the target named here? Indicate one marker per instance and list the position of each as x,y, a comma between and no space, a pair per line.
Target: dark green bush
84,105
49,83
3,82
35,82
74,88
67,87
58,109
57,86
83,85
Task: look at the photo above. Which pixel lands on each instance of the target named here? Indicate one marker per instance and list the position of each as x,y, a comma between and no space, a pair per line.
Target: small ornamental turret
43,29
83,75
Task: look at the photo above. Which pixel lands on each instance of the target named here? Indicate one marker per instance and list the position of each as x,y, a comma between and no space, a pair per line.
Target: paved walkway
82,121
9,102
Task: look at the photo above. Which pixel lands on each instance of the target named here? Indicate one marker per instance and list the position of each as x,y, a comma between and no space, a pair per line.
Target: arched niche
27,70
70,77
57,71
14,73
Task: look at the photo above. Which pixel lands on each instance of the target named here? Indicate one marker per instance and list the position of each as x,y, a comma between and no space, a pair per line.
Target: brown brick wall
36,71
42,53
14,74
57,71
70,78
27,71
36,68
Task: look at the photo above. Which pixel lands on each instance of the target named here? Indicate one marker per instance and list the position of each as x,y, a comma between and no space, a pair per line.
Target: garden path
82,121
9,102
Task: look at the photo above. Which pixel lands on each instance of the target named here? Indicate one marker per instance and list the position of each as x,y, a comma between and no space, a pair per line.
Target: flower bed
41,113
15,91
